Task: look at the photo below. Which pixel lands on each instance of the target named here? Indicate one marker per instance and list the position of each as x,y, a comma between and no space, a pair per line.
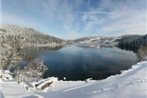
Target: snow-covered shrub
5,75
142,53
33,71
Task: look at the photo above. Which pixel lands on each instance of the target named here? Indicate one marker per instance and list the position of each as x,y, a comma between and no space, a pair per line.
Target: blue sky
71,19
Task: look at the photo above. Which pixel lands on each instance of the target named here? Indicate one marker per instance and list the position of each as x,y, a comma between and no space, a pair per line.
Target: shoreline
133,77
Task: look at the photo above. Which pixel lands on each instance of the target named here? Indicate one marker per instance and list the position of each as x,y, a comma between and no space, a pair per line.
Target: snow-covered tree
9,51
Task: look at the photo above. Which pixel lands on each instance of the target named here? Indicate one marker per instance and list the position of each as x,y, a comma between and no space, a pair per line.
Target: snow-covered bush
142,53
5,75
33,71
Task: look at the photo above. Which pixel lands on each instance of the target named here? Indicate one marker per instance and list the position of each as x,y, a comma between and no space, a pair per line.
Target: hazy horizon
68,19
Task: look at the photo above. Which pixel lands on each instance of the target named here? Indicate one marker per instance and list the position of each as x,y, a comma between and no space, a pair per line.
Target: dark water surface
77,63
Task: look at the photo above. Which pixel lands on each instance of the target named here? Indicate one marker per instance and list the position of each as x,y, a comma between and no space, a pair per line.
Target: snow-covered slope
130,84
28,37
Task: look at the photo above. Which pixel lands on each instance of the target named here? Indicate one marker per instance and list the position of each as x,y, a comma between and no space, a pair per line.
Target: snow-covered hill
29,37
97,42
129,84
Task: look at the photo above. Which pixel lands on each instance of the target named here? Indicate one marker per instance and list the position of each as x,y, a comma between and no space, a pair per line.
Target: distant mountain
29,37
84,39
96,41
129,42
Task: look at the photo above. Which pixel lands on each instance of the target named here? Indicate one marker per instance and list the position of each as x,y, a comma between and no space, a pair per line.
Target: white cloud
62,12
132,25
127,17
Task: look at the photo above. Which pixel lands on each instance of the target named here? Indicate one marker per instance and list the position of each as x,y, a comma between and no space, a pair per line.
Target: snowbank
5,75
129,84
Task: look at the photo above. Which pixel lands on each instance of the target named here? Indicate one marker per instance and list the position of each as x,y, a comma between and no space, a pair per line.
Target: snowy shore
129,84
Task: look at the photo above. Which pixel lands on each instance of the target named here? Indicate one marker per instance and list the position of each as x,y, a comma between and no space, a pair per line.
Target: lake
78,63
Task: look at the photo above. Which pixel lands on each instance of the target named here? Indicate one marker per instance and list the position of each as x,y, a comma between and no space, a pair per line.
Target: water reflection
76,63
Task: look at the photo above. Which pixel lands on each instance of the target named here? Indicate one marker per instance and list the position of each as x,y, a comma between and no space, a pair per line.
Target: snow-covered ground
130,84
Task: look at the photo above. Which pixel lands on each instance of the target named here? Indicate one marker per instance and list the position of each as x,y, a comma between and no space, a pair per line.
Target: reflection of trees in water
135,43
36,52
141,52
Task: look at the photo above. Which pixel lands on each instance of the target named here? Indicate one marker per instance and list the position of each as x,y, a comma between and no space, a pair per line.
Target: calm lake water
77,63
